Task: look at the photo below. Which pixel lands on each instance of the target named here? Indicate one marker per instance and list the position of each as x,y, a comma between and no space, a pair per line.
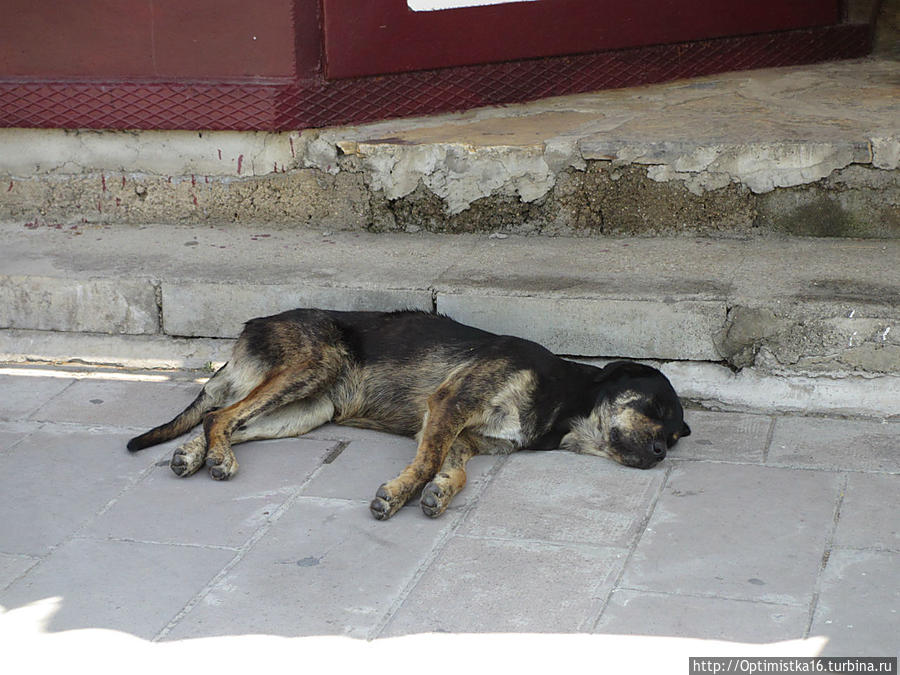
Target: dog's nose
658,449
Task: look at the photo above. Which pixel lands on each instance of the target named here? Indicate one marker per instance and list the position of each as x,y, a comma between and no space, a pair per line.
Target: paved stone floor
756,531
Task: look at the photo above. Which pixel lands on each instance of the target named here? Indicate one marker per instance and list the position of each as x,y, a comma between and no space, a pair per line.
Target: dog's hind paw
434,501
189,456
185,463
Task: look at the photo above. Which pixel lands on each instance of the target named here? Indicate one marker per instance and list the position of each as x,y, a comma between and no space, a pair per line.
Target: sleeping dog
459,391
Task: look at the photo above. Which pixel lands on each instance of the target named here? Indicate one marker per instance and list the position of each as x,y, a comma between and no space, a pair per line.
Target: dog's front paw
384,505
188,458
434,500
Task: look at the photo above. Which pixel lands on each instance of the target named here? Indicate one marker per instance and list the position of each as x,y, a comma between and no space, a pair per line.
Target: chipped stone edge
458,173
761,167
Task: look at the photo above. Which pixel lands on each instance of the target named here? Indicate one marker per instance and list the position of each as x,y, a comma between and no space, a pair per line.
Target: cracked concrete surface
752,151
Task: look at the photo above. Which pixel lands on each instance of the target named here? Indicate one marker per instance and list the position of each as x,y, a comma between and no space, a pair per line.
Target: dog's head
636,418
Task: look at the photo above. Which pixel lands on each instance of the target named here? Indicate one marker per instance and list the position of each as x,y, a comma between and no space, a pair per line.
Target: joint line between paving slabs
35,561
31,417
710,596
875,548
335,452
637,540
826,554
130,540
436,550
769,437
241,552
560,543
132,483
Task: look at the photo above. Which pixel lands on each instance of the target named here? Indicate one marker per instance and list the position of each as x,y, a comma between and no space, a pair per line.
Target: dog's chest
503,425
507,416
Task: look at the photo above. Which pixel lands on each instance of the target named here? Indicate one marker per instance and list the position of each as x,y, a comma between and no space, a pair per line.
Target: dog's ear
614,371
675,435
601,380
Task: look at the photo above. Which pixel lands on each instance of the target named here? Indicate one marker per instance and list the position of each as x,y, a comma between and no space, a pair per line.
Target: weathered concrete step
812,323
811,150
801,304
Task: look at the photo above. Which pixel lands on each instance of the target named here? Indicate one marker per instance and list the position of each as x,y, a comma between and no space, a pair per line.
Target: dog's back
397,360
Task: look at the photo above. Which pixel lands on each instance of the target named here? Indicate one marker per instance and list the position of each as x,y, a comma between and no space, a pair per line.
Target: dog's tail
211,397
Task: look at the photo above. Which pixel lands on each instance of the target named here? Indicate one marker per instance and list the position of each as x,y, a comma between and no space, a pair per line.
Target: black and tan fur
458,390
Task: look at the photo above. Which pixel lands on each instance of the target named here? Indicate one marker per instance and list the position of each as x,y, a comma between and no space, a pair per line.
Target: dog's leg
447,483
437,495
189,456
448,413
278,388
293,419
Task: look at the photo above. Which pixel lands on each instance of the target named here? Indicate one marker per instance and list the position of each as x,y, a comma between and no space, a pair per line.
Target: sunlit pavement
759,535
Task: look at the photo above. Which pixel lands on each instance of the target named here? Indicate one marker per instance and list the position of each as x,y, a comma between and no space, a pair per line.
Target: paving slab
21,396
59,478
724,437
363,464
669,614
835,444
490,585
368,458
718,545
201,511
111,403
859,604
563,497
127,586
865,520
326,567
741,532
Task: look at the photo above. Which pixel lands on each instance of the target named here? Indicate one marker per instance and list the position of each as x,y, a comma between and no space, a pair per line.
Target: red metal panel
317,102
41,39
308,38
385,36
224,38
148,39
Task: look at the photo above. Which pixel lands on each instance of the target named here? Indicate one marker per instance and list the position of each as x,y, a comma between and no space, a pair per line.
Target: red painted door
387,36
